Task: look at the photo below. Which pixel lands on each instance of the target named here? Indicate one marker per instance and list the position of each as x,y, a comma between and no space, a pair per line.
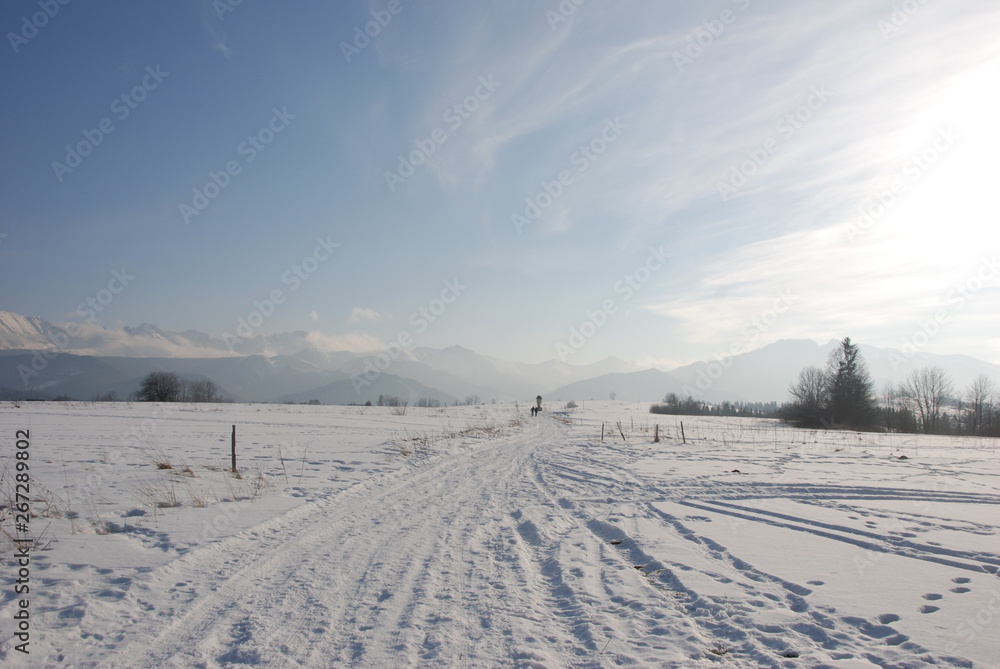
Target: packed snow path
544,549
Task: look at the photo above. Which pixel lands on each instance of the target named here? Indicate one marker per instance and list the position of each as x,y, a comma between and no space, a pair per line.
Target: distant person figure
534,411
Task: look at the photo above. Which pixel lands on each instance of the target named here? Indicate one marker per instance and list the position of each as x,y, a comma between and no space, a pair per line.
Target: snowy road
546,548
469,561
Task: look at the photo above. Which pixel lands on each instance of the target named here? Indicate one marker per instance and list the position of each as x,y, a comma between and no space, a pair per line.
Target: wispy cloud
210,20
359,314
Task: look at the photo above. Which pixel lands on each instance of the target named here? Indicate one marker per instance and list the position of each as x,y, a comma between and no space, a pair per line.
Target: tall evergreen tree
851,392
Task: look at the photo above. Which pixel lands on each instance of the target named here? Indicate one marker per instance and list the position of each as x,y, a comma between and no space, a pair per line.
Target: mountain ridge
288,366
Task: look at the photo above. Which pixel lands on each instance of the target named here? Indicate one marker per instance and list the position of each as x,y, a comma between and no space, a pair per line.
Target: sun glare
945,186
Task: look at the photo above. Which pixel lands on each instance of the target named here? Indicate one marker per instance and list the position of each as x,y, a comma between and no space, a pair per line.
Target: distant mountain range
38,359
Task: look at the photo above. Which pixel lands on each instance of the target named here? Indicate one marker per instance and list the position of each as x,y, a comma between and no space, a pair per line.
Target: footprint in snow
932,596
797,604
961,579
888,618
927,608
960,590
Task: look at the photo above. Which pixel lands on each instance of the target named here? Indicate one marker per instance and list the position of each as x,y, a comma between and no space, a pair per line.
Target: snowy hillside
24,332
480,537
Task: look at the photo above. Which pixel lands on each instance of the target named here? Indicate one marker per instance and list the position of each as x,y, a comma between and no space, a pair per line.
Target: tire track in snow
259,587
738,621
395,561
501,554
699,619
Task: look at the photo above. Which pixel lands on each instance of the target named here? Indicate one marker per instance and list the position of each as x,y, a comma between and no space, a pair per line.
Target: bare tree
204,391
160,387
811,388
811,398
928,389
980,395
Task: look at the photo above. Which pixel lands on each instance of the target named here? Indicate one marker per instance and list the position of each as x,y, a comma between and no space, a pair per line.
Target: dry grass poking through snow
422,444
163,466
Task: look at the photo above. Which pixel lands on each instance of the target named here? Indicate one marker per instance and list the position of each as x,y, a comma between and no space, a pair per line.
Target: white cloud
211,21
869,291
359,314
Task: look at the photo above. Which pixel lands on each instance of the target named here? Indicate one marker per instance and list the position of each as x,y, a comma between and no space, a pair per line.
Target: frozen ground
461,537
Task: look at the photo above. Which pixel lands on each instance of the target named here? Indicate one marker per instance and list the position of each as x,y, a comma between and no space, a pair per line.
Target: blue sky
659,181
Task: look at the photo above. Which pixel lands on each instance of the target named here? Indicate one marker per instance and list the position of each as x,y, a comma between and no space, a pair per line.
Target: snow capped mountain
294,364
32,333
455,371
25,332
19,332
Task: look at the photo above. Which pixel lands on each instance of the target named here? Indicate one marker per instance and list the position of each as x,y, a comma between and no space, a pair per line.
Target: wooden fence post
234,449
683,438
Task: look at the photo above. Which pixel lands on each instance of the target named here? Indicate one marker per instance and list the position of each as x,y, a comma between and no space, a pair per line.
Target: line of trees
675,405
393,401
843,395
168,387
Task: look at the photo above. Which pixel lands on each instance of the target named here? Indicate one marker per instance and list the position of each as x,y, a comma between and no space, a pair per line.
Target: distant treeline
675,405
843,396
155,387
425,402
926,401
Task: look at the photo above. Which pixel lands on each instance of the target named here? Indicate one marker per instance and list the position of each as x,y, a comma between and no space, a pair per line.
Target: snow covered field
481,537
